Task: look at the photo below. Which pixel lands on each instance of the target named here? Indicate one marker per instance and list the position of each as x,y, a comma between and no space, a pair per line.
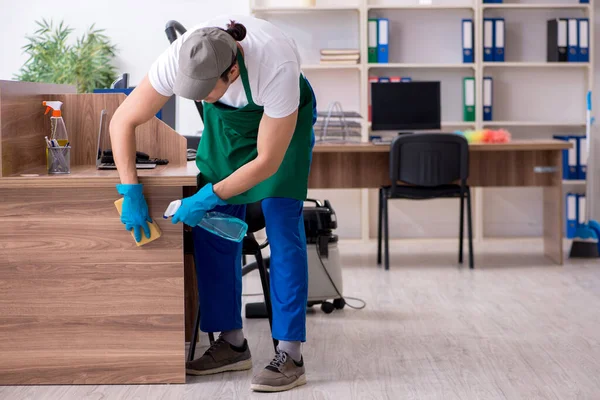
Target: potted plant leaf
53,58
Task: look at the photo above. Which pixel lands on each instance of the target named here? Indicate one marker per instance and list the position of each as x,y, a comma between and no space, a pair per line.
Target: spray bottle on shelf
58,130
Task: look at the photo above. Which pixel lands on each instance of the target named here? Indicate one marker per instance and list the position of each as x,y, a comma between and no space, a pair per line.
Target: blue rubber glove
134,213
193,208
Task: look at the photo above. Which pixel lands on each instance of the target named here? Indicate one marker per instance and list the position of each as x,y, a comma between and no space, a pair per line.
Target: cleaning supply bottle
58,131
223,225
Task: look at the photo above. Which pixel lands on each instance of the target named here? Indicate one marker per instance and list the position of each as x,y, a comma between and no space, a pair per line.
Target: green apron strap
244,76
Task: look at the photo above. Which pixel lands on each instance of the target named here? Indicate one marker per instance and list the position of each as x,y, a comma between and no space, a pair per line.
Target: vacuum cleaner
324,267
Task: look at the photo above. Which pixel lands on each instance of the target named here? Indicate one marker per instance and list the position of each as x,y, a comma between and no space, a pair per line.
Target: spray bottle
58,130
223,225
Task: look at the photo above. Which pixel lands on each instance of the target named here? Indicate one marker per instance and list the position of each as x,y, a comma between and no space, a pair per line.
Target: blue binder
406,79
580,209
499,39
571,215
582,156
384,79
584,40
488,98
572,40
383,40
488,39
467,41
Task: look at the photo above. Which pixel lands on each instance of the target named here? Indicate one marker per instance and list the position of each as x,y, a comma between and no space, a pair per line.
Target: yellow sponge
154,229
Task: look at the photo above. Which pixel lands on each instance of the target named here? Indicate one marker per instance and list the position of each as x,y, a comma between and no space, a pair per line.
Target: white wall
136,27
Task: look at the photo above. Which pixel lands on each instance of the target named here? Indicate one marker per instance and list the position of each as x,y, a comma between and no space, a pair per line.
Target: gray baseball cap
203,57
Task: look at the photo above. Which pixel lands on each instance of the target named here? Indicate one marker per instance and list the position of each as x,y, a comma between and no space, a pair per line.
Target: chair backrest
255,217
429,159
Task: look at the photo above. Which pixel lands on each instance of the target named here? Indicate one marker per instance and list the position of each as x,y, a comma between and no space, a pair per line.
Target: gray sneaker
283,373
221,357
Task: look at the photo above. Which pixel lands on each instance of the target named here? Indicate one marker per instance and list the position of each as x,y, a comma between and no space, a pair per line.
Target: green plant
87,63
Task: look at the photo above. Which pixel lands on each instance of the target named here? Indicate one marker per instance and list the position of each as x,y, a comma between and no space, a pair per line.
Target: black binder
557,40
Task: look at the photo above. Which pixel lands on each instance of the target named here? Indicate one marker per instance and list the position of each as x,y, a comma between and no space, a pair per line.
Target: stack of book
340,56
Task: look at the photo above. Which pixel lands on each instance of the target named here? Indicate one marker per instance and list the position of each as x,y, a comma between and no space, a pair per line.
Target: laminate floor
516,327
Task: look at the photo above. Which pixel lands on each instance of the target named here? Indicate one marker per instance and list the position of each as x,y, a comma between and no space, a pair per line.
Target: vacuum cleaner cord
364,303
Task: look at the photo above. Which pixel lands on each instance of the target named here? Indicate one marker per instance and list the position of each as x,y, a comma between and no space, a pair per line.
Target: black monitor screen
405,106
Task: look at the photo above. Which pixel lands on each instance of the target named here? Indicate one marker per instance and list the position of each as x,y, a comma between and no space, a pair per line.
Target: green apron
229,141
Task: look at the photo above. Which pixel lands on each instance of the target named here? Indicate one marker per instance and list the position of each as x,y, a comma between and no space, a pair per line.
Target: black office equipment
430,165
406,106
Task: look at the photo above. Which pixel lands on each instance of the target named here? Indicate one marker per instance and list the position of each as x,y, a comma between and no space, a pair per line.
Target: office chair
429,165
250,246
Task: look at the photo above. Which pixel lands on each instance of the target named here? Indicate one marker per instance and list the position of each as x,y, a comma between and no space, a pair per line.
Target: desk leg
553,213
190,284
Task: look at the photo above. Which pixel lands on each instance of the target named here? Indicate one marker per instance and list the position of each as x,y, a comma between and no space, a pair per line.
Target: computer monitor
405,106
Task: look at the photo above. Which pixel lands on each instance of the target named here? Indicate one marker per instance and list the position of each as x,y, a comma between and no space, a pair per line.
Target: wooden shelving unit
363,9
418,66
543,64
420,7
266,10
547,6
478,69
311,67
532,123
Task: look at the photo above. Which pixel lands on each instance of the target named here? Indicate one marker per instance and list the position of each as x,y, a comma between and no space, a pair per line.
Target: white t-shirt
271,58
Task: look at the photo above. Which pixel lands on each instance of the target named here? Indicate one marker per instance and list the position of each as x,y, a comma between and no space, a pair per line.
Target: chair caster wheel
339,304
327,307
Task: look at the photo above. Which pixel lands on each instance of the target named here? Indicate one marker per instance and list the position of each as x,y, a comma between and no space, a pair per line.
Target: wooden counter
517,145
88,176
80,303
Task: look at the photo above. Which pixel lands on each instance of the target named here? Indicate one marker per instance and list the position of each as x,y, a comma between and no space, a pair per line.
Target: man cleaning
256,145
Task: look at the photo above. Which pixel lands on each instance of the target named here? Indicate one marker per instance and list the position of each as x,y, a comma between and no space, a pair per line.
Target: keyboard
137,166
157,161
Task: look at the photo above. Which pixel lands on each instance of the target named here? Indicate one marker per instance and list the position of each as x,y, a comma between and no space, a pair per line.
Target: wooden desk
513,164
80,303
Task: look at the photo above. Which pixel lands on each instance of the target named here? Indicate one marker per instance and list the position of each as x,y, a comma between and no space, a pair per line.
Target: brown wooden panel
509,168
91,365
82,117
486,169
553,213
517,145
23,124
79,301
349,170
88,176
